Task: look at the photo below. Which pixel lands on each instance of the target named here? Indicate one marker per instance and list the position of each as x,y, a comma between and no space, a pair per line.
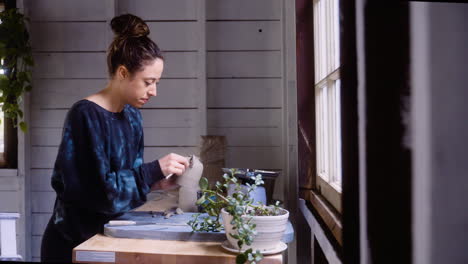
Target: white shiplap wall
10,201
223,76
67,49
244,66
14,190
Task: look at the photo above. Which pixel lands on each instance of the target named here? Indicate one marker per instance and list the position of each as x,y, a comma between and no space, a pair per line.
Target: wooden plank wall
69,42
11,192
13,188
244,46
9,187
239,94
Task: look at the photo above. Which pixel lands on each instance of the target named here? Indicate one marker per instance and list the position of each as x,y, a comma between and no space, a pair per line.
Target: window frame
329,218
328,180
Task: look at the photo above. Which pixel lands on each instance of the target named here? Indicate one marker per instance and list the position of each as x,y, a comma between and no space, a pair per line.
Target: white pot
270,230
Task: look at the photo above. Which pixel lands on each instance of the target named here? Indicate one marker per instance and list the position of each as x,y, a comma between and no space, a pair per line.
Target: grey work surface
155,226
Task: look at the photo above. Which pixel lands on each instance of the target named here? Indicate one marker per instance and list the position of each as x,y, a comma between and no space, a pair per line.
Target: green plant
240,205
16,54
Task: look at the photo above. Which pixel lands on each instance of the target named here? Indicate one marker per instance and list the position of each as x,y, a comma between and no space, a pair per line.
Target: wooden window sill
331,219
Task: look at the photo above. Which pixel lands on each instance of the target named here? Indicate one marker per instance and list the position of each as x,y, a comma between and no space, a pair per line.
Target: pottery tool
190,166
123,223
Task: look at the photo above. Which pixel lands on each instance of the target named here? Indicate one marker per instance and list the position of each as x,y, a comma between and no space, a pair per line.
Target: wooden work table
104,249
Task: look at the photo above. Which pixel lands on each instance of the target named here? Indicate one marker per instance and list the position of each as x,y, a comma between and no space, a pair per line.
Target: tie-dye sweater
99,172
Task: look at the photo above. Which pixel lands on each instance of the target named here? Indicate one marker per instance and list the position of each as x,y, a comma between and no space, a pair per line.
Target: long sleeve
99,166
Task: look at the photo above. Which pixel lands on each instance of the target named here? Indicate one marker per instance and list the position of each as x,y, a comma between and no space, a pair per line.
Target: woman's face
139,88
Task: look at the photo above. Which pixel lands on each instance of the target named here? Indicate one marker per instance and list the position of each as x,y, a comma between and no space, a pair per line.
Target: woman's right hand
173,164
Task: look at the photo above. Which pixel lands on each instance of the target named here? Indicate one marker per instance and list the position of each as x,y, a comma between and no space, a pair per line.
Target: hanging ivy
16,54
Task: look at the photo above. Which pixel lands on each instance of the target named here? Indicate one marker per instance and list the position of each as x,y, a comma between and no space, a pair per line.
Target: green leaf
29,61
28,76
203,183
212,212
21,76
241,258
201,200
240,243
23,126
258,256
3,83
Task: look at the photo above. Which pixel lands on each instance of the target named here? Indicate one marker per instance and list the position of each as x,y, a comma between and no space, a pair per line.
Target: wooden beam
387,157
349,137
289,121
201,66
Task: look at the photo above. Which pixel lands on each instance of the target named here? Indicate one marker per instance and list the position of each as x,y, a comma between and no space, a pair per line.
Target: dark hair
131,47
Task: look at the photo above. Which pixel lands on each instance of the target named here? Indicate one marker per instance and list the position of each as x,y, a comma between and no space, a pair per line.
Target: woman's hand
173,164
170,164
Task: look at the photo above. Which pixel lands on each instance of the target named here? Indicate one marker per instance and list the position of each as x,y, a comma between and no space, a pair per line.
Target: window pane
321,48
331,130
327,87
329,35
326,38
336,32
322,131
325,134
323,40
337,133
316,43
319,129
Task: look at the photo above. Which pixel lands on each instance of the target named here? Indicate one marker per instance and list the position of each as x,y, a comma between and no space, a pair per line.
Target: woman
99,172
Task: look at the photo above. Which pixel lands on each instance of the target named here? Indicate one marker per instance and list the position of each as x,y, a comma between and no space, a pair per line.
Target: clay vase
189,185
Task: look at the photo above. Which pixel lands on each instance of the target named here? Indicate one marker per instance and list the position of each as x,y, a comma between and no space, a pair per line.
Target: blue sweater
99,172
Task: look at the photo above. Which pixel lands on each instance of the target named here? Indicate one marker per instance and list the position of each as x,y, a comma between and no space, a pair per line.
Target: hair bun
128,25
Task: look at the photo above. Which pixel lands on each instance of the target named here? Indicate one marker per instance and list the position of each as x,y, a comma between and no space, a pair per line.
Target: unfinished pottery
189,185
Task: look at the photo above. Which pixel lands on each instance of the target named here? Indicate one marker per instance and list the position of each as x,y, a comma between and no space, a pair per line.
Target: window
327,100
8,133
